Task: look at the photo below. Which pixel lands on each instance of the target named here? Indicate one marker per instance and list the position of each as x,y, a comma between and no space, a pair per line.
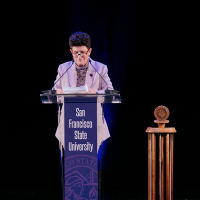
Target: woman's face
80,54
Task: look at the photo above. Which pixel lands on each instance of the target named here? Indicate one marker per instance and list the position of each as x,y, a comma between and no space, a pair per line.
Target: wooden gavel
161,113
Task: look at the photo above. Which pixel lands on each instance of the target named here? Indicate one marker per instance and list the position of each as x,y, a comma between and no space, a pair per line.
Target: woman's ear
90,50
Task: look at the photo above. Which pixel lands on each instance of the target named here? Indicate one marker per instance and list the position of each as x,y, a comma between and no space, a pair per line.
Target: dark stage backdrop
152,54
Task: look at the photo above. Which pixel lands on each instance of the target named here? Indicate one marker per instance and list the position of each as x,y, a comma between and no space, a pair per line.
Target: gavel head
161,113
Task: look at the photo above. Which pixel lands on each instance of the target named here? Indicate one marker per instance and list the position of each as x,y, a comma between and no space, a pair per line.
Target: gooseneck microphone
99,74
54,91
64,73
107,91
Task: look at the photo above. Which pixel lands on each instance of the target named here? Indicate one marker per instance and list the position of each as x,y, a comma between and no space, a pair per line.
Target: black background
152,54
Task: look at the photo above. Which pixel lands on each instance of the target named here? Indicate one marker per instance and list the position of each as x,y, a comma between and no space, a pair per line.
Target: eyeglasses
82,54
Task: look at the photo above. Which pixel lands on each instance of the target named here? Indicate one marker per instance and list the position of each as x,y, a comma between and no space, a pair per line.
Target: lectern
79,165
161,113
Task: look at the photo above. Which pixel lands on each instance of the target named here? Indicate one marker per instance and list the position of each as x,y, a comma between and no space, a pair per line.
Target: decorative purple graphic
81,178
81,167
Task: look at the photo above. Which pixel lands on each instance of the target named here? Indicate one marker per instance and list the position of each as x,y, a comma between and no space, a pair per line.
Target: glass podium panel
101,98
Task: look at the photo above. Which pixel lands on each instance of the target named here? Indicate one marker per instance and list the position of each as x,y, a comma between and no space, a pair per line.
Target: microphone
54,91
64,73
99,74
107,91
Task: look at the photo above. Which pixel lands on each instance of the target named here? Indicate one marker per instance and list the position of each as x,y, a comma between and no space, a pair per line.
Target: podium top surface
98,98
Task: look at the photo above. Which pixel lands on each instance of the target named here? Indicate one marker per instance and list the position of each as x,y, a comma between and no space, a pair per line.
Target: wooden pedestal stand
165,135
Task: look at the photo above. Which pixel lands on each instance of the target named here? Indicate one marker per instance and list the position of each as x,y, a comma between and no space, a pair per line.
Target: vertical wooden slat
167,165
154,166
162,167
172,163
149,167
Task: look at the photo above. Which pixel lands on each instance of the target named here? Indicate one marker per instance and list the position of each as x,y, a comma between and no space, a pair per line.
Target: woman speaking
82,70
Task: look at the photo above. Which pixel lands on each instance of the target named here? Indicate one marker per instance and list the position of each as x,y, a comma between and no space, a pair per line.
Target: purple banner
81,167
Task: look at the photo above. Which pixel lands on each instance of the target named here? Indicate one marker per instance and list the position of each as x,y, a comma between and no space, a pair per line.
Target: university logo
81,178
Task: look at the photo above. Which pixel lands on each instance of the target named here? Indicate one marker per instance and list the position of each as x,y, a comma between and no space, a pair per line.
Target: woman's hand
92,91
59,91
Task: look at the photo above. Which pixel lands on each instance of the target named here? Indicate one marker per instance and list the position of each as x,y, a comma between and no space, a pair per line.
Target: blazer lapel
72,76
90,76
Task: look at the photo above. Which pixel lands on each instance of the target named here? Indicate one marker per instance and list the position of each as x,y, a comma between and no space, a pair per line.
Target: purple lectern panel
81,167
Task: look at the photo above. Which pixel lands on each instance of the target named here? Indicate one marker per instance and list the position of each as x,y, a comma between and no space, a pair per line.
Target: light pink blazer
93,82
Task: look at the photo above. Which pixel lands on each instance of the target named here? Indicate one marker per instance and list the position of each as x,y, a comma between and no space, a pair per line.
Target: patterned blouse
81,74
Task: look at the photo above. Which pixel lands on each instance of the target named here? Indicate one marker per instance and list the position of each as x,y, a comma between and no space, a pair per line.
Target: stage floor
20,194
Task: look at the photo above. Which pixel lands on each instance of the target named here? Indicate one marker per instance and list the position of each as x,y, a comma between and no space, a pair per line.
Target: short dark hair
80,39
